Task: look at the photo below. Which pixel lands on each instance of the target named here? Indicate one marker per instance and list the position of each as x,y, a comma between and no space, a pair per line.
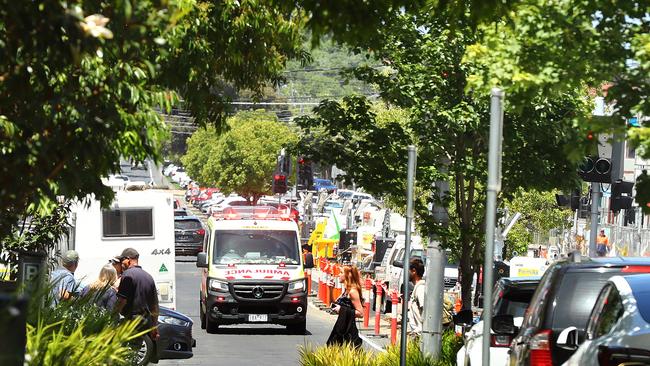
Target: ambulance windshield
256,247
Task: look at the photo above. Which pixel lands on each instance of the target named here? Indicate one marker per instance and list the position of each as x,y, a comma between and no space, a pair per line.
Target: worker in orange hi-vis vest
602,244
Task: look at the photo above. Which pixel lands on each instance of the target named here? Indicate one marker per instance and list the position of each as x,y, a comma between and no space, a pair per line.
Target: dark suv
188,235
562,302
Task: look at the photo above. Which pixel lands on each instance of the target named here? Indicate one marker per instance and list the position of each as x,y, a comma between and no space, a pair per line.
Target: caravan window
127,223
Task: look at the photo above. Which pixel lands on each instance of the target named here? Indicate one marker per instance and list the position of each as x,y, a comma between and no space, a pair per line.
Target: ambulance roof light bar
254,213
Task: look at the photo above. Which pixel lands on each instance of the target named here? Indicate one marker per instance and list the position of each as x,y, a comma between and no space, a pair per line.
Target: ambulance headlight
296,286
217,285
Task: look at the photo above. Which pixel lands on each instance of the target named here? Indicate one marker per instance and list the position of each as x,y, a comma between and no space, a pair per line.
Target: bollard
378,306
321,280
366,305
336,289
309,281
328,288
393,317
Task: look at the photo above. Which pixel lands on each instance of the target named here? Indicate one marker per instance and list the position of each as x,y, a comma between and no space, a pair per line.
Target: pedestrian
117,265
416,301
349,307
308,257
103,288
602,244
64,286
137,295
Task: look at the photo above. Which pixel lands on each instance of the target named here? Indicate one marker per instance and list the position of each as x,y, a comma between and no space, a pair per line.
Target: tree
82,84
550,47
241,160
426,74
539,214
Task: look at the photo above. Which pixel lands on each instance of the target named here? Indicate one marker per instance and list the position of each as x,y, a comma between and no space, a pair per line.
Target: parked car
512,296
175,342
226,202
181,212
204,195
618,330
324,185
188,235
563,300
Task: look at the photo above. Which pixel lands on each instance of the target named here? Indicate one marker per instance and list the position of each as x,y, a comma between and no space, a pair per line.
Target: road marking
371,343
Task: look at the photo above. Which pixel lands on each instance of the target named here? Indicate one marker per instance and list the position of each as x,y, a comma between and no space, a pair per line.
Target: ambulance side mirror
202,260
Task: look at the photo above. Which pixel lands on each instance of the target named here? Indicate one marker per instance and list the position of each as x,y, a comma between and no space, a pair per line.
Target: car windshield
514,302
256,247
187,224
577,296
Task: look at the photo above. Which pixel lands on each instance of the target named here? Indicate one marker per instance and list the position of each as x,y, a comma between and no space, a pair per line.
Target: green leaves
241,160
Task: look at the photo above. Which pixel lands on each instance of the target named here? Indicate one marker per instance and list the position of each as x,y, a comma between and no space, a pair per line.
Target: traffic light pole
596,194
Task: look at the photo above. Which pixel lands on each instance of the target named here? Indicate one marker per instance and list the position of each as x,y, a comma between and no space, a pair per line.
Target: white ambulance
143,220
252,270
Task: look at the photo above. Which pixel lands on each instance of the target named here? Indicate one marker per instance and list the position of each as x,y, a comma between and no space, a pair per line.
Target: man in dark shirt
308,258
137,294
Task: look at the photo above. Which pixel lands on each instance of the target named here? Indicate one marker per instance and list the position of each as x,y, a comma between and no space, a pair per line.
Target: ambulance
252,270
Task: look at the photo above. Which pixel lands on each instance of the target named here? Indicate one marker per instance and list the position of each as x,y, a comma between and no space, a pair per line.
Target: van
143,220
252,269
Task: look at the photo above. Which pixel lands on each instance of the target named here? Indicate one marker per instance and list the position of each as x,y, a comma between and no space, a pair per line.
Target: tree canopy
241,160
82,84
427,74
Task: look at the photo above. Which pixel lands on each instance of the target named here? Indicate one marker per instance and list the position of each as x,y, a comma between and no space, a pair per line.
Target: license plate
258,318
184,237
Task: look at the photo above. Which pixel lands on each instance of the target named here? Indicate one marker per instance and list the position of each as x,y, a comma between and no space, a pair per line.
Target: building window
127,223
631,150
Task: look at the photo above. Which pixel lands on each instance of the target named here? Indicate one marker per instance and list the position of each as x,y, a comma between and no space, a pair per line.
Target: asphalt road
242,344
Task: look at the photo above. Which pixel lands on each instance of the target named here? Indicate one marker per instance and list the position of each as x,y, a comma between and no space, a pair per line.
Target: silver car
618,330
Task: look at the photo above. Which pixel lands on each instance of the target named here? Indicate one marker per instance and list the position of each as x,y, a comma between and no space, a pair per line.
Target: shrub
348,356
76,332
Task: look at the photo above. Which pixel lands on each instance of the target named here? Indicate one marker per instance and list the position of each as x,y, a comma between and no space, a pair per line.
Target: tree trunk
466,274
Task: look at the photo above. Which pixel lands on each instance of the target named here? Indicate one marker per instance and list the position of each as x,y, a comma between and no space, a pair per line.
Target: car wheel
202,316
143,355
298,328
211,326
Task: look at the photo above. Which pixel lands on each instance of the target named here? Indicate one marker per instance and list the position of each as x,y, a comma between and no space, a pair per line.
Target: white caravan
143,220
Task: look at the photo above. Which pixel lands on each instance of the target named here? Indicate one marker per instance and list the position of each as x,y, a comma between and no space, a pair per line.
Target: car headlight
172,321
217,285
296,286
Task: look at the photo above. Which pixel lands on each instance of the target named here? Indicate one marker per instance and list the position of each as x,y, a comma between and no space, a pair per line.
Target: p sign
30,268
30,271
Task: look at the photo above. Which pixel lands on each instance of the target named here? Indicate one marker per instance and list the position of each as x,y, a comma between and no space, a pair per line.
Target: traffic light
305,174
572,201
621,195
279,183
596,169
630,216
575,200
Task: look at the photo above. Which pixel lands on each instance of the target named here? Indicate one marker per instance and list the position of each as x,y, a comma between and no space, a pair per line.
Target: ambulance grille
259,291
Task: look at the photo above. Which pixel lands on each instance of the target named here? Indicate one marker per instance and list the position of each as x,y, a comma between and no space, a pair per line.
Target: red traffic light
590,135
280,177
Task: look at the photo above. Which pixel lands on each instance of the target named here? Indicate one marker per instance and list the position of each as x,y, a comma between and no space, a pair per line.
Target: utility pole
410,182
595,216
436,261
493,188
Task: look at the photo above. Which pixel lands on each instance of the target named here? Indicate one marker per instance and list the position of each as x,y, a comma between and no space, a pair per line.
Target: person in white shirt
416,301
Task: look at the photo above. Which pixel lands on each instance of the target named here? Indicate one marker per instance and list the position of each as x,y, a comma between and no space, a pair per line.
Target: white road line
371,343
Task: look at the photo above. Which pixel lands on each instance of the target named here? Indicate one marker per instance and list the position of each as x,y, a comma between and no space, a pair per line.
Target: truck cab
252,270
